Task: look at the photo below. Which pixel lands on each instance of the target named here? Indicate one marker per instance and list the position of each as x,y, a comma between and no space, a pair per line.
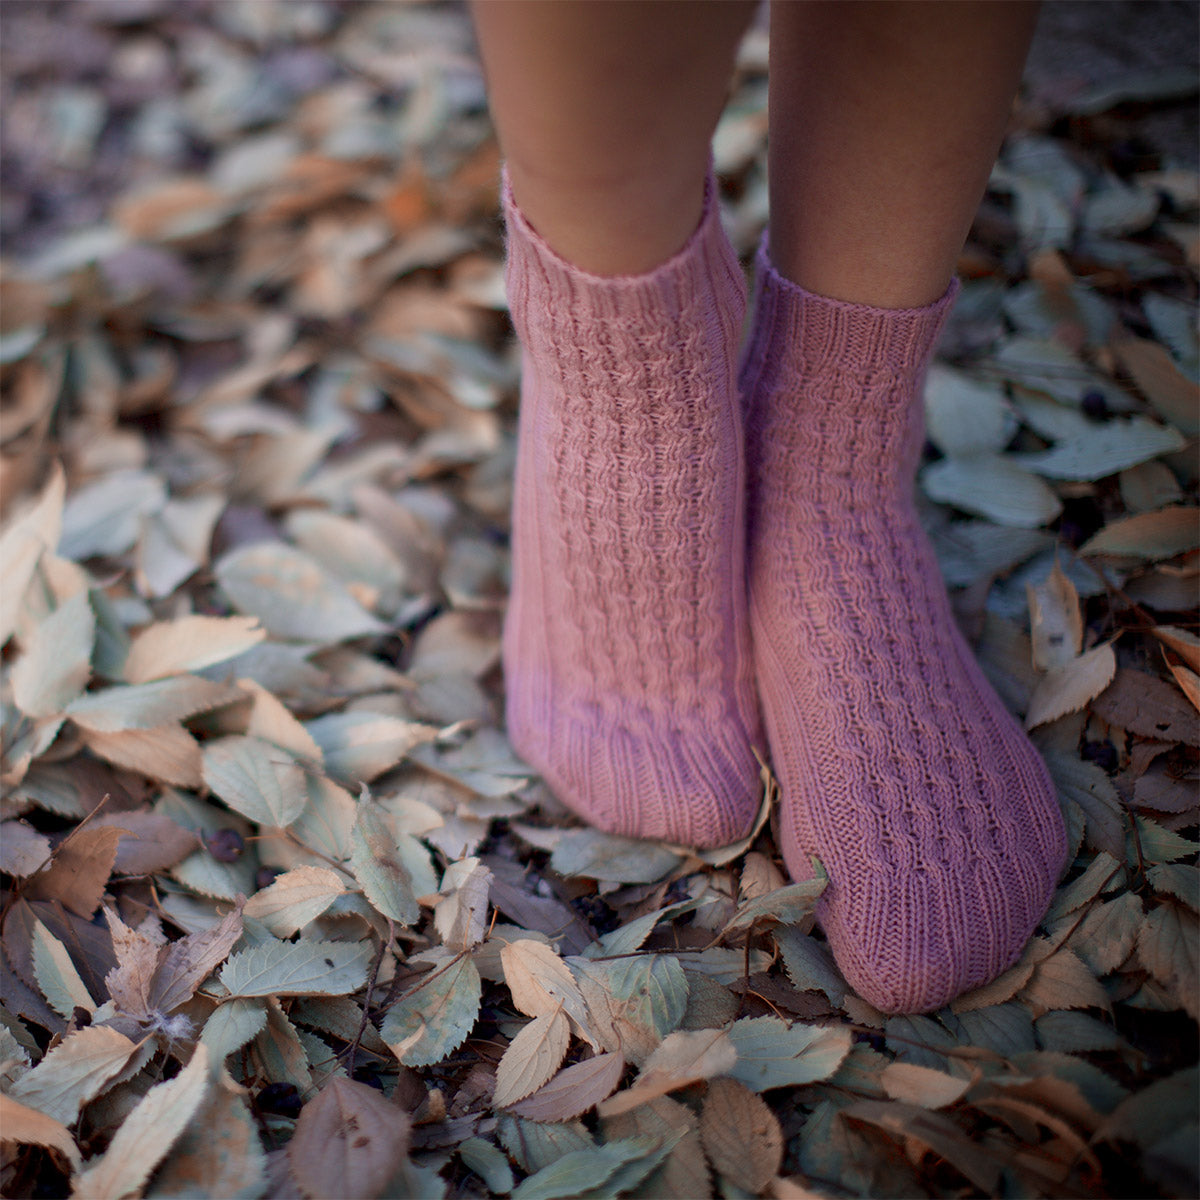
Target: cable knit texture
898,764
626,644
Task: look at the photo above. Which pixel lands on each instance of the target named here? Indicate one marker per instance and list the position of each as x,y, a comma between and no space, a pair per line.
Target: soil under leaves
283,914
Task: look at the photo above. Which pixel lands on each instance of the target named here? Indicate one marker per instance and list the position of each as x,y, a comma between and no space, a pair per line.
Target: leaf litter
283,913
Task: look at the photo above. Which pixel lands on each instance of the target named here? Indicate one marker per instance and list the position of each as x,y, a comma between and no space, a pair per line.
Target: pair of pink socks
690,550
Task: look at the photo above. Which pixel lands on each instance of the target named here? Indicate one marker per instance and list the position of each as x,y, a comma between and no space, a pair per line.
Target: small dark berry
226,845
283,1099
1094,404
1103,754
265,876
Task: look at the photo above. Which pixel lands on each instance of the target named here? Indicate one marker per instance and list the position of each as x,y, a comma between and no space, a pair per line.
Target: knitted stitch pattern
900,769
626,644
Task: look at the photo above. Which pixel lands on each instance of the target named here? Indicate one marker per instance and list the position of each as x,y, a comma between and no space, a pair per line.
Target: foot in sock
626,645
899,767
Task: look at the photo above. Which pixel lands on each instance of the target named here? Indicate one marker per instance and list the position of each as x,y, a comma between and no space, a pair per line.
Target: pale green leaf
966,416
232,1025
580,1171
294,899
256,779
358,746
771,1055
1156,843
105,517
790,905
149,705
434,1018
809,964
1006,1029
994,487
632,1002
534,1144
301,968
292,596
56,974
611,859
381,861
1175,879
1084,784
55,665
1104,450
1075,1033
488,1163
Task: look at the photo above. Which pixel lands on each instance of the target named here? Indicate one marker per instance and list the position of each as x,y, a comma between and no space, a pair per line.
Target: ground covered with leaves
283,915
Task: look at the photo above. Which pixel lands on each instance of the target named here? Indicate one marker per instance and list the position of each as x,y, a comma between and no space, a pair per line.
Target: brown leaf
1148,706
1185,643
167,753
741,1135
27,1126
188,644
685,1174
189,961
1189,683
137,959
349,1142
79,871
1152,536
1063,980
1068,687
1056,620
149,842
1168,944
936,1131
541,983
683,1058
922,1086
573,1090
532,1057
1171,392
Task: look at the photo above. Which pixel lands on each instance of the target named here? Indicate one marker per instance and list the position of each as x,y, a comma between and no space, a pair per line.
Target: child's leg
626,646
886,116
899,767
605,110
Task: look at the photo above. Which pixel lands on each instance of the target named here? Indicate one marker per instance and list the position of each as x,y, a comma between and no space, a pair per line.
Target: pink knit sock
626,646
899,767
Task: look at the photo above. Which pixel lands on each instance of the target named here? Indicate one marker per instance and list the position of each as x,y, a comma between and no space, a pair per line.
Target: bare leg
886,116
933,815
605,111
